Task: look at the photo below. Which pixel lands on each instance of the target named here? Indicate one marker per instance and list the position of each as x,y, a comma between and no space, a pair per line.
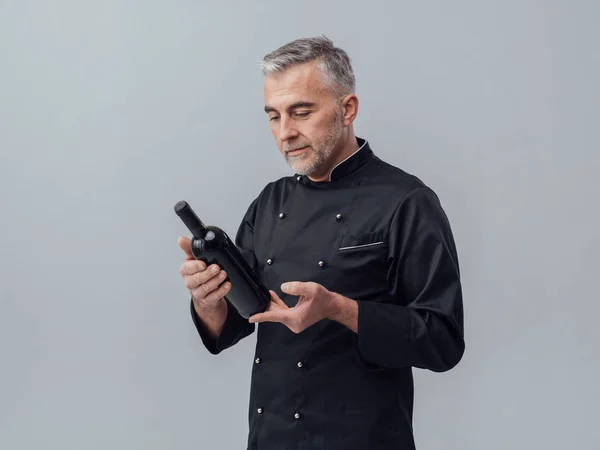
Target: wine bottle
248,295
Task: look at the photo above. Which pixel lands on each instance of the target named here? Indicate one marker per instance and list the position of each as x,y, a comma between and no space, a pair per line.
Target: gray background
110,112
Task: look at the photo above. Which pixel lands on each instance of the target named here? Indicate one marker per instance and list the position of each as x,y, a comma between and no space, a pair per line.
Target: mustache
295,147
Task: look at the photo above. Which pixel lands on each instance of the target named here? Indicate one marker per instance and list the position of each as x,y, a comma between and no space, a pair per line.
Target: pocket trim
360,246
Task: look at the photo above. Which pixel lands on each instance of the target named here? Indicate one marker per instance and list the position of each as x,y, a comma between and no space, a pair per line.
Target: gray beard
312,160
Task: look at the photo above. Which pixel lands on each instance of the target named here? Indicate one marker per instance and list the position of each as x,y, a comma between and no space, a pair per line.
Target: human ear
349,109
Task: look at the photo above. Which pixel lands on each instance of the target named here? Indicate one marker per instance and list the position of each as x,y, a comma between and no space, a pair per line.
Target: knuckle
190,268
213,298
198,279
186,280
197,294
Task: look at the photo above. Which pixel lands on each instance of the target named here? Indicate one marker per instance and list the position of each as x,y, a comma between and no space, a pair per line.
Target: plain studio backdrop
111,112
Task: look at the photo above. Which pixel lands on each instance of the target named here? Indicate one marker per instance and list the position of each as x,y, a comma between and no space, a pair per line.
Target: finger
275,315
277,312
202,279
204,288
197,278
192,267
186,245
218,294
299,287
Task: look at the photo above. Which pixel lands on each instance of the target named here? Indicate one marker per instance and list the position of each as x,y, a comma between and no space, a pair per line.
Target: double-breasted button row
300,364
338,216
320,263
282,215
296,414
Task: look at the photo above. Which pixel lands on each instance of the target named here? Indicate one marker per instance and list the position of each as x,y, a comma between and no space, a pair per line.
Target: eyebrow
292,106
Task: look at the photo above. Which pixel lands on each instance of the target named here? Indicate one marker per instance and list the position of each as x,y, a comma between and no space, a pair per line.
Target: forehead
300,83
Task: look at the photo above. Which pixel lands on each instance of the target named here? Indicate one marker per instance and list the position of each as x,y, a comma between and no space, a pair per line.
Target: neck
347,146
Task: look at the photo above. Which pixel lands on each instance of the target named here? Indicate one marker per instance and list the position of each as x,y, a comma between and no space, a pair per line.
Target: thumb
295,287
186,245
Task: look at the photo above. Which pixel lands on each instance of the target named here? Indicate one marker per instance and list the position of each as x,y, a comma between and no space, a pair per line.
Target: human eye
302,113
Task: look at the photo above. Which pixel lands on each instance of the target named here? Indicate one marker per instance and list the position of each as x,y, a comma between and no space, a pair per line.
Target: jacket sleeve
422,325
235,327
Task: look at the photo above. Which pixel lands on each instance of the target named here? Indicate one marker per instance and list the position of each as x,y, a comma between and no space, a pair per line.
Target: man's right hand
205,283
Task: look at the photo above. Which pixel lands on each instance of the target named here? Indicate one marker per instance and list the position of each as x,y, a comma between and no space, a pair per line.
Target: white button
281,215
257,360
297,415
300,364
338,217
321,263
259,410
299,178
269,261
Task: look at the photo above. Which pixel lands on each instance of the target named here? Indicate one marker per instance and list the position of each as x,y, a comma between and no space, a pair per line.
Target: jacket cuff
234,329
383,334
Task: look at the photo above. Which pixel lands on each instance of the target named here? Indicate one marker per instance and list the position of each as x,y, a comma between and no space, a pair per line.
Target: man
362,268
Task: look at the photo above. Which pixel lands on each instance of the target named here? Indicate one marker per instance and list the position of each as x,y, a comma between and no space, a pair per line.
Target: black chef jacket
374,234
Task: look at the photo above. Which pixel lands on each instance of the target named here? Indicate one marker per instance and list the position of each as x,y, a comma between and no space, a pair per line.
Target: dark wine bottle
248,295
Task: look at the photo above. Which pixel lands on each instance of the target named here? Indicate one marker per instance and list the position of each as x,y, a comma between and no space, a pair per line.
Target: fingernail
284,286
215,269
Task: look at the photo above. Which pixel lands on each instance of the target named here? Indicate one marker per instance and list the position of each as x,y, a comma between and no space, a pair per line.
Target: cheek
312,130
274,129
321,126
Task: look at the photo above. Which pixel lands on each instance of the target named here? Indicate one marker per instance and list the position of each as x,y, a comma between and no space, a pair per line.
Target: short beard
319,153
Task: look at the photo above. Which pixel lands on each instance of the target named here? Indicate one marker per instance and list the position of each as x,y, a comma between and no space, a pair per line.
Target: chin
303,164
302,167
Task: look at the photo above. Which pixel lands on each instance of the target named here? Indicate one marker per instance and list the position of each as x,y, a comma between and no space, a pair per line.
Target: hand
205,283
315,304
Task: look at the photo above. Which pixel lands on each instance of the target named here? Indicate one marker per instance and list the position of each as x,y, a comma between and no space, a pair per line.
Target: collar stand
349,165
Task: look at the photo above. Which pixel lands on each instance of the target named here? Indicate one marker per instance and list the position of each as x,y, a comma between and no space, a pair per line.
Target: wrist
344,310
203,308
338,306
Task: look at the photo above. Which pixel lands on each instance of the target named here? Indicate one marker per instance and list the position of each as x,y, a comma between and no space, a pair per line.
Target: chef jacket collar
345,167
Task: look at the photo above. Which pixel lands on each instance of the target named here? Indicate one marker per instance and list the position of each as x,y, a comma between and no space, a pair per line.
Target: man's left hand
314,304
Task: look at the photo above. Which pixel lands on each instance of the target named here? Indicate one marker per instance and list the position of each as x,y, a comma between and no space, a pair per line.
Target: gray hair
332,61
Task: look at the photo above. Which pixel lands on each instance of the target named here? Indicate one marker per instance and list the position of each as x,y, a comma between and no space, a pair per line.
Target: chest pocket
373,242
360,263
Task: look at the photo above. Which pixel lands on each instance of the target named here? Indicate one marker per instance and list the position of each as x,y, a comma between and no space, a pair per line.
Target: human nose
287,130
